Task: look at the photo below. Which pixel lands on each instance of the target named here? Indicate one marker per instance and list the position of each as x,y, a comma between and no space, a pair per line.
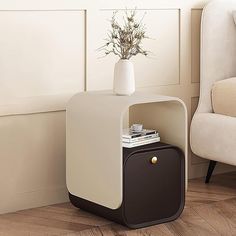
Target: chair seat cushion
213,137
224,97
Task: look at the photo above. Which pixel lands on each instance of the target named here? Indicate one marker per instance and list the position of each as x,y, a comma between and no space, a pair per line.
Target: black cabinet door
153,192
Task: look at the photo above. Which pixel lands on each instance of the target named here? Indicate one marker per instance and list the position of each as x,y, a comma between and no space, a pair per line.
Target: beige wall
32,155
48,52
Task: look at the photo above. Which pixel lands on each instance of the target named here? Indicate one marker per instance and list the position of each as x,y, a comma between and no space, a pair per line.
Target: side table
94,156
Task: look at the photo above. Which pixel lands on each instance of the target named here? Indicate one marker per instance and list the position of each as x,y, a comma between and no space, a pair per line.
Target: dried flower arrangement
125,40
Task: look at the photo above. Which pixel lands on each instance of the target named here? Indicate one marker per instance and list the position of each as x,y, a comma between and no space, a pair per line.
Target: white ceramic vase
124,83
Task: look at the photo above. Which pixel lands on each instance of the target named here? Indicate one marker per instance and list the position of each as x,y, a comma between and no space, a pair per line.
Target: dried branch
125,40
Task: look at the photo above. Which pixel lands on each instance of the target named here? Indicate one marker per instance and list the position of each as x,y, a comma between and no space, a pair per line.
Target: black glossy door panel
152,191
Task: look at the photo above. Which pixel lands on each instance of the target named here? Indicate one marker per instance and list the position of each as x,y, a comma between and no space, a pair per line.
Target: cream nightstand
95,157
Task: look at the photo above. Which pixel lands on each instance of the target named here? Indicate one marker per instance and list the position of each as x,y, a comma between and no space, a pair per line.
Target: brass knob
154,160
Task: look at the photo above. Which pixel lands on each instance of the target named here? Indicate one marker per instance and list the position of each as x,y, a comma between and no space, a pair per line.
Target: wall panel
195,44
42,53
161,67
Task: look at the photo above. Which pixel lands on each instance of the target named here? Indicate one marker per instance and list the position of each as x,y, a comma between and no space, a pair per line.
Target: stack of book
132,139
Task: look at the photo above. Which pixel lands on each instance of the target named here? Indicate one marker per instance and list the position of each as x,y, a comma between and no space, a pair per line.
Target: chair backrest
218,48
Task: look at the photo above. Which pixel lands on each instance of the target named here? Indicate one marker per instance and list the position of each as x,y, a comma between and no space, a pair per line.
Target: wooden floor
210,210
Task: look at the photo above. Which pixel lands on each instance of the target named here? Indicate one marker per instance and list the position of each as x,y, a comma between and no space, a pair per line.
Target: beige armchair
213,136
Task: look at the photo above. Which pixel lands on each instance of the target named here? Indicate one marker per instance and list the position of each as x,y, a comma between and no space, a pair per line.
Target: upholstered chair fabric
213,136
224,97
218,48
234,13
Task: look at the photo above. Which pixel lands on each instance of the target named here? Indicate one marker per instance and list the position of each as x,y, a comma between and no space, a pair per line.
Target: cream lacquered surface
94,129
